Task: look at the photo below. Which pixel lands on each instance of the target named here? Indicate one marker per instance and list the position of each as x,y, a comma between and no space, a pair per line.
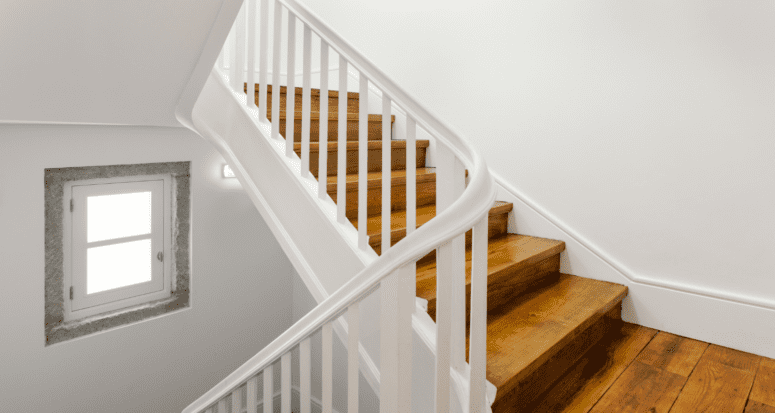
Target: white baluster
328,379
411,175
397,304
353,321
323,135
269,389
407,285
277,58
222,406
341,177
411,188
236,400
250,87
263,61
252,395
444,256
305,372
233,77
388,349
478,343
363,160
290,94
306,100
285,384
386,169
240,54
457,277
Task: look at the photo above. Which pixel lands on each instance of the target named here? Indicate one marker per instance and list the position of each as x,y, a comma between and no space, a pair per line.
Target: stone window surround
56,330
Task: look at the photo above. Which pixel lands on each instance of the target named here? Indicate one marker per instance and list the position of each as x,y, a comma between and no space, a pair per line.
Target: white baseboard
718,317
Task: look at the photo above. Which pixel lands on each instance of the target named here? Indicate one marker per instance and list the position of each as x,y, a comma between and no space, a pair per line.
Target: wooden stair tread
424,214
374,179
508,252
539,323
353,145
299,90
332,116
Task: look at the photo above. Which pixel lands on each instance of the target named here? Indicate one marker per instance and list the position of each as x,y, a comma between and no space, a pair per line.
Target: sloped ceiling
109,62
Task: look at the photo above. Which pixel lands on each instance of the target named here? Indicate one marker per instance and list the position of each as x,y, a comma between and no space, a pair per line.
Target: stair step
353,126
426,191
398,156
535,339
333,99
498,219
515,263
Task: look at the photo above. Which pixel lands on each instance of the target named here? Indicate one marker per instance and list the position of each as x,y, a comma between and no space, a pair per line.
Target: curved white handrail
473,204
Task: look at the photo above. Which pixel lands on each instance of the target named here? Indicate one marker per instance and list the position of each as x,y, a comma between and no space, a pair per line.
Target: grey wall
241,282
646,127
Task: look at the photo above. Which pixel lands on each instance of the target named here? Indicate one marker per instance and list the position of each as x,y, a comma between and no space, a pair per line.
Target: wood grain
758,407
763,390
398,156
333,99
594,373
673,353
353,129
641,388
426,191
540,323
721,382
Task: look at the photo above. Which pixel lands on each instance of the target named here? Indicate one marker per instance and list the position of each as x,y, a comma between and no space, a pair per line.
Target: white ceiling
109,62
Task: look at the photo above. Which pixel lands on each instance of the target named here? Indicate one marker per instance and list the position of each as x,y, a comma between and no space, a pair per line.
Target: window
124,248
116,237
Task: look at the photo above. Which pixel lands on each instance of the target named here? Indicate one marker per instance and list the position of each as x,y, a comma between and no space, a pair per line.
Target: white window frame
79,304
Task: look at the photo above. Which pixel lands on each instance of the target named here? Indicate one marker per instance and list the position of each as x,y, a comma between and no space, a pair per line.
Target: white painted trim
724,318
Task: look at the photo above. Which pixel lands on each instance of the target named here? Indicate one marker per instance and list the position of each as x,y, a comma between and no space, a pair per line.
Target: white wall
645,127
118,62
241,282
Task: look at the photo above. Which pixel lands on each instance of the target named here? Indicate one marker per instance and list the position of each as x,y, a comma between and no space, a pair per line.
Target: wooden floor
639,369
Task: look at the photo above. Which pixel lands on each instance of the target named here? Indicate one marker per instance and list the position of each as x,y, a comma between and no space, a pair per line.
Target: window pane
118,265
117,216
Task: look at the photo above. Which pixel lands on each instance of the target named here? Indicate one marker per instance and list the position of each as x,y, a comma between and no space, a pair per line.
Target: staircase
539,321
361,214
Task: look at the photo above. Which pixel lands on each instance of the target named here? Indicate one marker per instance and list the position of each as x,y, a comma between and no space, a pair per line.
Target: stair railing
459,208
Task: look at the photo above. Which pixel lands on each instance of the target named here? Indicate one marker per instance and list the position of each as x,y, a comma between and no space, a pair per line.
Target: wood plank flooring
639,369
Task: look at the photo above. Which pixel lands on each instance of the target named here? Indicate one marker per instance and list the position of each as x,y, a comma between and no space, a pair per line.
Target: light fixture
227,172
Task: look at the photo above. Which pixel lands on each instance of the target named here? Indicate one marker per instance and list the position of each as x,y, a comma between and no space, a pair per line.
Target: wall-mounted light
227,172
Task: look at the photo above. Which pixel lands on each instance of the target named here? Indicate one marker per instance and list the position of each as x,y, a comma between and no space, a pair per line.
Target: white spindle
252,395
386,170
222,406
406,304
341,177
411,174
236,400
290,94
276,58
444,257
457,276
306,99
478,344
263,61
411,192
328,378
305,372
353,321
269,389
388,349
240,54
233,78
363,159
251,37
323,135
285,384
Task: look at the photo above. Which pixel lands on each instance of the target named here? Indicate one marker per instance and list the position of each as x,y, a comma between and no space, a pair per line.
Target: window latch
160,256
